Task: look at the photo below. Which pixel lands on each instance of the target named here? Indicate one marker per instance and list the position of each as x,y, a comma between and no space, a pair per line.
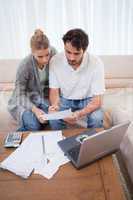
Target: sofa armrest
126,148
124,175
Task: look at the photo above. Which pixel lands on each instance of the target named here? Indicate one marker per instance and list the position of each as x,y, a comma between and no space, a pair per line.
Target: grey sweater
28,90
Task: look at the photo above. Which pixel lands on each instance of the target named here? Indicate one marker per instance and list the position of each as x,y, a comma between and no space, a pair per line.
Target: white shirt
86,81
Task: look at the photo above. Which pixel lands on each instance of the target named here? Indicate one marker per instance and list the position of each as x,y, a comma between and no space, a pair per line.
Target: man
76,82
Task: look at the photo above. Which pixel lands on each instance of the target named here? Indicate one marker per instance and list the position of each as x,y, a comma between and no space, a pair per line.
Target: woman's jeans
30,121
94,119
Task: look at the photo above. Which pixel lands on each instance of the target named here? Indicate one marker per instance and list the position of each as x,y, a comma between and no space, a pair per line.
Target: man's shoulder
58,58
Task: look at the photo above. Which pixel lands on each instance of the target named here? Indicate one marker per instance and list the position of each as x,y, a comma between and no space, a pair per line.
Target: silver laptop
86,148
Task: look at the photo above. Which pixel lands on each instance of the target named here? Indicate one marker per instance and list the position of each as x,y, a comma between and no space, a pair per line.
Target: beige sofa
7,78
118,98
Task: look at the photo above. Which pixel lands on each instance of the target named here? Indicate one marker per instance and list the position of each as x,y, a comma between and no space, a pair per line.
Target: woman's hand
40,114
53,108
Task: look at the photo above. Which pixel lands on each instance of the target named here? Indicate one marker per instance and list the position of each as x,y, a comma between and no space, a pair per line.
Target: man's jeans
94,119
30,121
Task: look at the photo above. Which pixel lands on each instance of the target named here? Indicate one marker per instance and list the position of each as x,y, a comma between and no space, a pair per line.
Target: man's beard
72,62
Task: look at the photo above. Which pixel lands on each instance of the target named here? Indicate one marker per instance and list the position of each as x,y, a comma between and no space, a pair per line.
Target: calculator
13,139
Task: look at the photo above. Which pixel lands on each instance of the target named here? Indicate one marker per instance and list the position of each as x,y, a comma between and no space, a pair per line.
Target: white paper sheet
54,155
29,155
21,161
58,115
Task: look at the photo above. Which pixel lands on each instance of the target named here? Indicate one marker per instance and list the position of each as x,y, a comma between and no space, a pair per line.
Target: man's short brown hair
78,38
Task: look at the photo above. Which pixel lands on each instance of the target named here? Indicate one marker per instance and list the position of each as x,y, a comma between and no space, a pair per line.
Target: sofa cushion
122,97
117,66
119,115
120,102
8,70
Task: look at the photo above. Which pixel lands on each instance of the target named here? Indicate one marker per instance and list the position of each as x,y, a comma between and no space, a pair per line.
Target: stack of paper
30,156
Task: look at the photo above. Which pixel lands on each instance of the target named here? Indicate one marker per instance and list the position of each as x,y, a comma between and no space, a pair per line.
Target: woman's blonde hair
39,40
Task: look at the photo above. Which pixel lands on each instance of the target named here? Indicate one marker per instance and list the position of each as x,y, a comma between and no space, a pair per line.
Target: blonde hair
39,40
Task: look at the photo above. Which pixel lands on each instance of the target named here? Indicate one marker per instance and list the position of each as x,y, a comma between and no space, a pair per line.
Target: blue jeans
30,121
94,119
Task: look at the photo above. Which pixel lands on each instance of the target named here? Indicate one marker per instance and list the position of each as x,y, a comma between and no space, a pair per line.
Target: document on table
58,115
52,167
30,155
54,155
21,161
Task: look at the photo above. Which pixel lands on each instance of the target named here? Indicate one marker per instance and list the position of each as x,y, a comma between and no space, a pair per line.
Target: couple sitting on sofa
75,78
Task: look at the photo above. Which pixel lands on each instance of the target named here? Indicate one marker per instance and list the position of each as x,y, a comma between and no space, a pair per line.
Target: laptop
89,146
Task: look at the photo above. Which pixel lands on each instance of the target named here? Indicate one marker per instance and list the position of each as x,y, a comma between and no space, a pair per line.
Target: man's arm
54,99
92,106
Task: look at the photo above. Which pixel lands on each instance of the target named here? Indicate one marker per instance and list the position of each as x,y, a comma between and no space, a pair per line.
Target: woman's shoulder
26,60
26,63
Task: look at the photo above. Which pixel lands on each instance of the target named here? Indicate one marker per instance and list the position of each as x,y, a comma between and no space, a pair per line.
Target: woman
28,104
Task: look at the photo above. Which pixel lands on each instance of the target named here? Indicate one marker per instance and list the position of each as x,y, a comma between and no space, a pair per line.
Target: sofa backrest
118,70
8,70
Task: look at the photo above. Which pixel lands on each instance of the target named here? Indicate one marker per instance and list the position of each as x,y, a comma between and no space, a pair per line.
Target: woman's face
42,56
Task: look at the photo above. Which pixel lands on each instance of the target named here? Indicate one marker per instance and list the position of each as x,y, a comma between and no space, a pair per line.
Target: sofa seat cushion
120,115
119,102
122,97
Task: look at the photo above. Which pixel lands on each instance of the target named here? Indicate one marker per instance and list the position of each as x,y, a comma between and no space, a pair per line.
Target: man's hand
40,114
73,118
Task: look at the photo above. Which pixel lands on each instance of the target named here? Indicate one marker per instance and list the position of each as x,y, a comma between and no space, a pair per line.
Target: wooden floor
98,181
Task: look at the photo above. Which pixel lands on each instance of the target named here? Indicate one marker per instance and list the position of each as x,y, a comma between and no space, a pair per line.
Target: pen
43,145
44,152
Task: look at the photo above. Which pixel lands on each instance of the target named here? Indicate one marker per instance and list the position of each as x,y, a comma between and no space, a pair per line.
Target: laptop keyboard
74,152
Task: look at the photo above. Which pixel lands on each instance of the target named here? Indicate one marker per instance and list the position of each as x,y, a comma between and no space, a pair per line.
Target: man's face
42,56
74,56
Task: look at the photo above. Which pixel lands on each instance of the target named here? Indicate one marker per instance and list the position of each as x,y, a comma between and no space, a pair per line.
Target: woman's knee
30,122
